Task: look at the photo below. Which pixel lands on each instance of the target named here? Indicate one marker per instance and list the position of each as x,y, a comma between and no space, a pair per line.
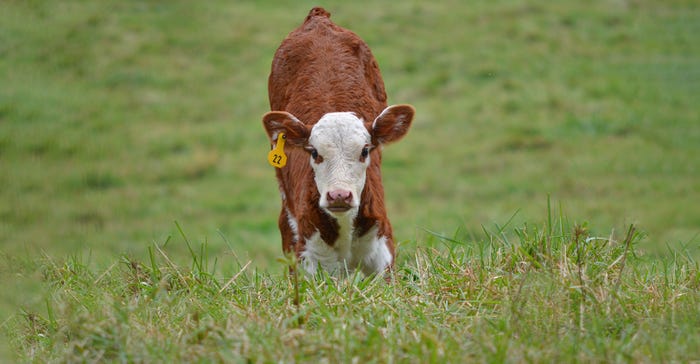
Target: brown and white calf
329,102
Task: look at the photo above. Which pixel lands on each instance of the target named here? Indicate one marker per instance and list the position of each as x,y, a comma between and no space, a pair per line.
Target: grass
550,293
119,118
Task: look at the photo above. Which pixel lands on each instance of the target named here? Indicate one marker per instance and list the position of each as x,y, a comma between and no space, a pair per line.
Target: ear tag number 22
276,157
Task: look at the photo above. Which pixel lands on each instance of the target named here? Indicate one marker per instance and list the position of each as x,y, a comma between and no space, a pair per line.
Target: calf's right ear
276,122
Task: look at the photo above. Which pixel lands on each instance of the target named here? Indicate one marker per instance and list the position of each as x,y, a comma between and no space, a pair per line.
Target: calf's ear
276,122
392,124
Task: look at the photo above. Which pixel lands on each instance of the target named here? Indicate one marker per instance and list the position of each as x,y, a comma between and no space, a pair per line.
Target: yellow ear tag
276,157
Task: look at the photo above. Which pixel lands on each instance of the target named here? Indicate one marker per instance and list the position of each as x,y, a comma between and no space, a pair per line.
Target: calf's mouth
338,207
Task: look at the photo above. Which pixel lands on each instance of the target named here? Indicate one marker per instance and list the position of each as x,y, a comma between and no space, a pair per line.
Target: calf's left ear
392,124
276,122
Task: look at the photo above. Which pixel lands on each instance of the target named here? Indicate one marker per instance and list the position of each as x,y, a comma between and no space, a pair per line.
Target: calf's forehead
339,130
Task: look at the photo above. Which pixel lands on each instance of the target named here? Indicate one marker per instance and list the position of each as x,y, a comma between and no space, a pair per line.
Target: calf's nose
339,198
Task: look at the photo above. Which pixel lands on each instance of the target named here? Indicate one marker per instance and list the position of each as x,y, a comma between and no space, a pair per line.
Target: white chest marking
368,252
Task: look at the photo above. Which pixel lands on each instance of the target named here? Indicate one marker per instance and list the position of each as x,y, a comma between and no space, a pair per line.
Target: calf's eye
313,152
365,152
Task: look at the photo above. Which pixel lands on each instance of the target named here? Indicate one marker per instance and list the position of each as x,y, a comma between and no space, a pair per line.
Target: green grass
550,293
118,119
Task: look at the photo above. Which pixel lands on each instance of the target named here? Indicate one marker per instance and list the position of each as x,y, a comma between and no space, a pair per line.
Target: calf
328,124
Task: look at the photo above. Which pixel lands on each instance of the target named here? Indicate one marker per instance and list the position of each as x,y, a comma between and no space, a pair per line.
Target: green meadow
546,198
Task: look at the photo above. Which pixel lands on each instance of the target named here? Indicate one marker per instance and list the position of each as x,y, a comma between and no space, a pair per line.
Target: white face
339,145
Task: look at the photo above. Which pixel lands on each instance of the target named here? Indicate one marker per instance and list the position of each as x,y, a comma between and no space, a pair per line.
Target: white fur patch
293,224
371,253
339,138
318,254
368,252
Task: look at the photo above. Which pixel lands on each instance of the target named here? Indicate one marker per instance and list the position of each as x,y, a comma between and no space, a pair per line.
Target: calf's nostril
339,197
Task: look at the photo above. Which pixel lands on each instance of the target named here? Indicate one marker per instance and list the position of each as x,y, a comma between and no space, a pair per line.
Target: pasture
132,151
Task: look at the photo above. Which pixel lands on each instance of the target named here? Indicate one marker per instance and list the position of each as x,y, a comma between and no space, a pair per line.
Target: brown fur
321,68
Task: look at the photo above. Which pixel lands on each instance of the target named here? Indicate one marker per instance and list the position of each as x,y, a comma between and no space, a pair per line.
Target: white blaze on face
339,144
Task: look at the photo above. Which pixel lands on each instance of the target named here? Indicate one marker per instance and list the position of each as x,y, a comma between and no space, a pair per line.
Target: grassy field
554,294
119,119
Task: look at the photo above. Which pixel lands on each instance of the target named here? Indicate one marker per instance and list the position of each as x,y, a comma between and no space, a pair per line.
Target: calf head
339,147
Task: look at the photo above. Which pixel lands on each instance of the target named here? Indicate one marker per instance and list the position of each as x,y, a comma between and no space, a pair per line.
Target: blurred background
119,119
